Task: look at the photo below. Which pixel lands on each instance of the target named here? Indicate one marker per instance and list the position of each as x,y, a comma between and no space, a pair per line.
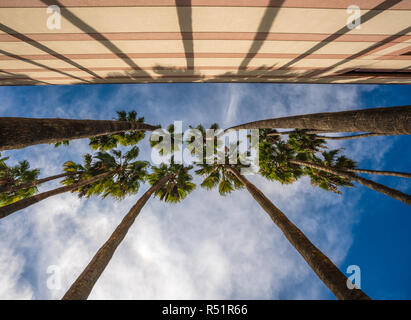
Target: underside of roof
141,41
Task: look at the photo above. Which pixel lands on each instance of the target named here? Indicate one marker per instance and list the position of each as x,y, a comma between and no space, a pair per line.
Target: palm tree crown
16,176
126,178
110,141
179,184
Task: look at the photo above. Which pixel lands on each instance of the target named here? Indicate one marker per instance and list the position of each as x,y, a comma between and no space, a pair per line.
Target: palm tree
77,176
14,188
302,141
395,194
301,149
392,120
331,172
16,133
228,178
325,269
325,180
26,202
16,182
170,183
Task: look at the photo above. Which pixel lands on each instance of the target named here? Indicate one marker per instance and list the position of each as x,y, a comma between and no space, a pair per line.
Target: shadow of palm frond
260,74
165,72
262,32
370,14
18,79
101,38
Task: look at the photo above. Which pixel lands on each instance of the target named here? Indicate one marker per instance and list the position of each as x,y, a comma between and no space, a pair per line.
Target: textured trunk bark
395,194
35,182
81,288
392,120
381,173
332,277
24,203
16,133
355,136
293,131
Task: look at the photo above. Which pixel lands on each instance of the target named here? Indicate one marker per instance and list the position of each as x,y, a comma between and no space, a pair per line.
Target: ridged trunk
325,269
393,120
395,194
35,182
354,136
16,133
24,203
293,131
381,173
81,288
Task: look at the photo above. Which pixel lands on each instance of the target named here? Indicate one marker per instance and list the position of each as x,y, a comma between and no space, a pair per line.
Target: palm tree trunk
17,133
325,269
381,173
35,182
395,194
293,131
322,266
24,203
354,136
81,288
392,120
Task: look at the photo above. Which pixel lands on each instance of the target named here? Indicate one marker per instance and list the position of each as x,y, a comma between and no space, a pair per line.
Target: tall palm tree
228,178
16,182
16,133
392,120
303,147
170,183
14,188
395,194
274,155
311,143
325,180
77,176
302,141
112,174
331,172
26,202
325,269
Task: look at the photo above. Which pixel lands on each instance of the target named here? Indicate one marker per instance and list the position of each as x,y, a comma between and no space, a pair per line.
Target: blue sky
208,246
